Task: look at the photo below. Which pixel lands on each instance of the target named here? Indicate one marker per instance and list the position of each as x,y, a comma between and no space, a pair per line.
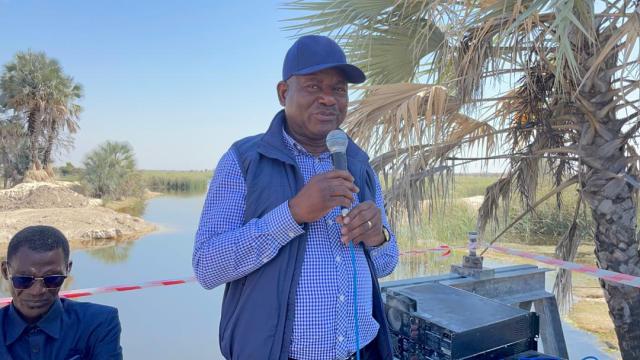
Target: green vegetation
110,172
69,173
134,206
164,181
449,224
67,170
472,185
176,181
41,100
14,152
544,226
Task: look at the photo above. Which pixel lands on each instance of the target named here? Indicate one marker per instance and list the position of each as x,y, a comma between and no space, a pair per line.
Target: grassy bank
165,181
176,181
472,185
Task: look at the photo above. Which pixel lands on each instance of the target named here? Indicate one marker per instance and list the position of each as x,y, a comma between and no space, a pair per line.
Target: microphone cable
355,298
337,142
352,250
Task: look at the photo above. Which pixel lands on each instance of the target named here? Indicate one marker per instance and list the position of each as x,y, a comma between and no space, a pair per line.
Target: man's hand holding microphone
335,188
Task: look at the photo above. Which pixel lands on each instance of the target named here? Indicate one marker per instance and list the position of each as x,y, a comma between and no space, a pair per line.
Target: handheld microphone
337,142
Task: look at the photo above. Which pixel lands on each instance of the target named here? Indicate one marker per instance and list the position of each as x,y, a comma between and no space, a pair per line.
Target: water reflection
115,254
423,265
135,208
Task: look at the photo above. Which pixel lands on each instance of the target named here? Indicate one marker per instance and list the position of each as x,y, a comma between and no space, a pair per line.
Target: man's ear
69,267
5,270
282,92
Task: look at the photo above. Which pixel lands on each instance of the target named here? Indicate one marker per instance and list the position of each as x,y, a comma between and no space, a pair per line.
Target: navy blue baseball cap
312,53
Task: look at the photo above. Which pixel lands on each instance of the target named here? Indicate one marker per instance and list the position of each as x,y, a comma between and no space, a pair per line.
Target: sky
179,80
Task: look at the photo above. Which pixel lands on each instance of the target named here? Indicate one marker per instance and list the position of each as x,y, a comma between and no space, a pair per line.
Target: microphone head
337,141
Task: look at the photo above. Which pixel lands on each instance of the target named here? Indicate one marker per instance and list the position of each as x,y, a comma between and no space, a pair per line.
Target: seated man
40,325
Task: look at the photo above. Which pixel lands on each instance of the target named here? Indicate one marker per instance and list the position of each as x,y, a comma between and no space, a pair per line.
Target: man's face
314,104
34,302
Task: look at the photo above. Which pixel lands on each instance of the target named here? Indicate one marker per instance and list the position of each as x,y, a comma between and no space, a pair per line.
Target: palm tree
533,82
35,85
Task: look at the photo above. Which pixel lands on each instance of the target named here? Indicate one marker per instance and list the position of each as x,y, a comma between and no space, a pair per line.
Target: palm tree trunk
614,213
33,129
612,202
5,173
46,157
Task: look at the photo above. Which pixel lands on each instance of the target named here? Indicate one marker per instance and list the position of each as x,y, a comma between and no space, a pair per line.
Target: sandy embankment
84,221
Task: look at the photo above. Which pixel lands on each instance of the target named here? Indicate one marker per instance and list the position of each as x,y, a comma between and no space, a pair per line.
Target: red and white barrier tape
71,294
584,269
445,250
606,275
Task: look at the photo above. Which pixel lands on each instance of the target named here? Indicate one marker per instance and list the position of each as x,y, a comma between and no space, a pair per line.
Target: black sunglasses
50,281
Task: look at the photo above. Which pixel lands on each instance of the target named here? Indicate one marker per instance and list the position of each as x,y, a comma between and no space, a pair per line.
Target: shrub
110,171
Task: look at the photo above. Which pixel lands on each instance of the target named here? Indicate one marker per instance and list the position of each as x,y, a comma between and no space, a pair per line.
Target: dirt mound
85,223
41,195
84,227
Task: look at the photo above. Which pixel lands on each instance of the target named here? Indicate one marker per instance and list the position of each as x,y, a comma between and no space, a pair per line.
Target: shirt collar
296,148
50,322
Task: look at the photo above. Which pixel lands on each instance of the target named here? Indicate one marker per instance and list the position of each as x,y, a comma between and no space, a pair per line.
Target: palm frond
567,249
400,123
623,39
496,196
393,53
335,16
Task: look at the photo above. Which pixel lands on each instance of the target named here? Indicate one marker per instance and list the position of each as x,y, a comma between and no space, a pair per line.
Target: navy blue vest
258,310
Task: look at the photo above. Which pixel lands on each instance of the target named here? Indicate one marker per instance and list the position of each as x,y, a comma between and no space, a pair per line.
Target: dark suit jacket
70,330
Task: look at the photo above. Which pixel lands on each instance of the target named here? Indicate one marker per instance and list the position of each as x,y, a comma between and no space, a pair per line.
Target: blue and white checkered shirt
226,250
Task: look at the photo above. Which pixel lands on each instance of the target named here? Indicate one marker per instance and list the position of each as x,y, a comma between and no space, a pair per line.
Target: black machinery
430,320
435,321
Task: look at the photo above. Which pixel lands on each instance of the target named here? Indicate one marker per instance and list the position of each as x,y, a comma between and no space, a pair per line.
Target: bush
67,170
14,153
110,172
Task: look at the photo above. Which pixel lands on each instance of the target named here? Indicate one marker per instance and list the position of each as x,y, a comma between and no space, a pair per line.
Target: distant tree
110,171
36,87
14,150
67,169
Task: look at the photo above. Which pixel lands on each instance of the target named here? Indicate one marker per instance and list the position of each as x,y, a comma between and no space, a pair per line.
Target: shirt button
329,222
338,258
291,234
341,297
340,338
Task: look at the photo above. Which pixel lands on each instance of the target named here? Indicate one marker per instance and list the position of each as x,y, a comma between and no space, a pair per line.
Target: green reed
176,181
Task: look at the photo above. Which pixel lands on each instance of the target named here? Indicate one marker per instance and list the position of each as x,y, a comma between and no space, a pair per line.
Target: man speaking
272,229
